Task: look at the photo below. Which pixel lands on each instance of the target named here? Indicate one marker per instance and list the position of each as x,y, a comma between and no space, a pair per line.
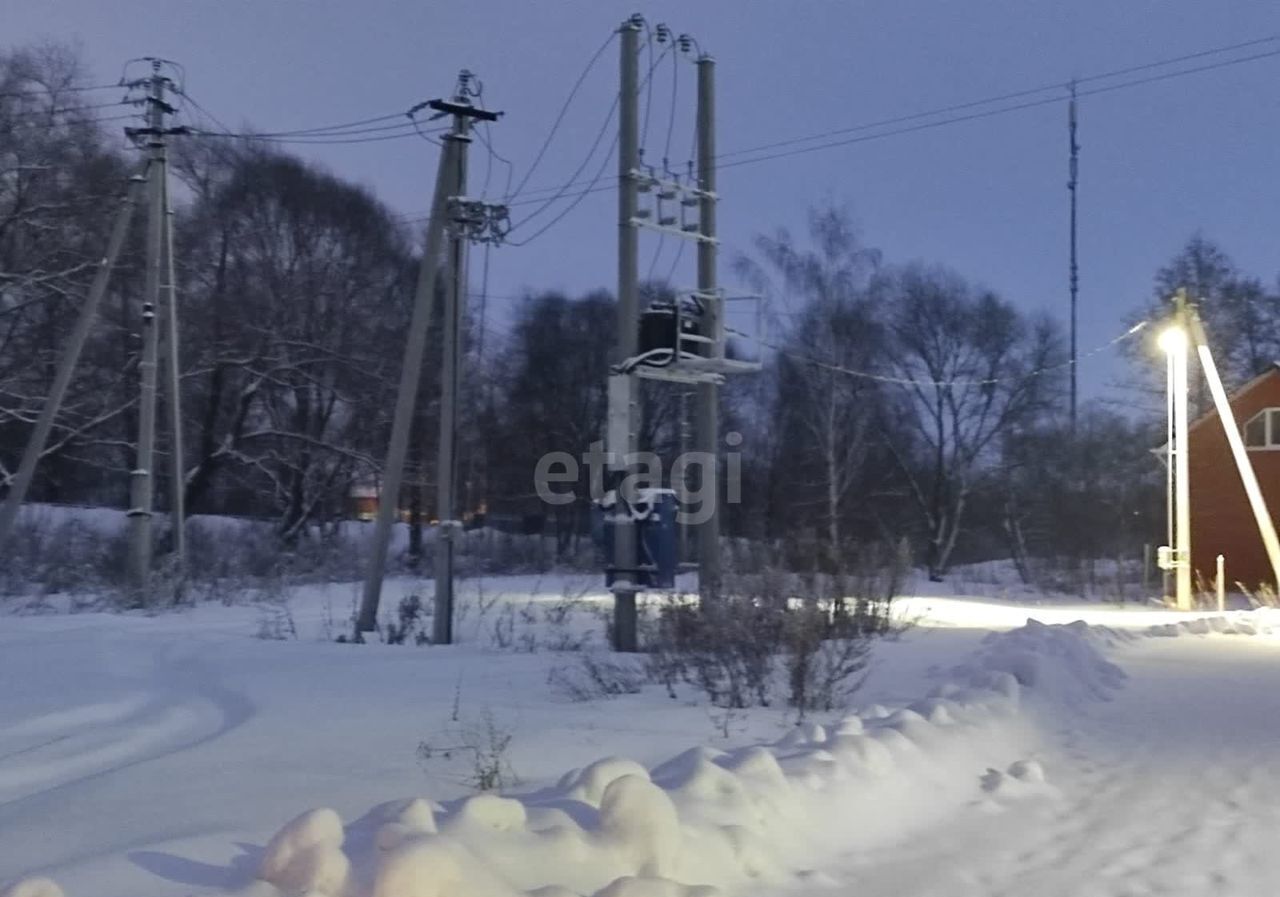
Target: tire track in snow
176,710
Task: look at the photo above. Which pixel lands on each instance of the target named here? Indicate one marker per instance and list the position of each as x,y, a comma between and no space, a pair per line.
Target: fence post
1222,584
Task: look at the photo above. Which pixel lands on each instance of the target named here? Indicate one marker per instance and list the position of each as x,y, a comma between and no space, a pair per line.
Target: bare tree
832,329
294,281
61,180
971,370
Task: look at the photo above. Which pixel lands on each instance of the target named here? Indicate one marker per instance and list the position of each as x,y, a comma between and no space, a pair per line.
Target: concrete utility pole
1072,183
446,457
142,483
622,392
173,403
708,399
67,363
1182,459
448,188
410,378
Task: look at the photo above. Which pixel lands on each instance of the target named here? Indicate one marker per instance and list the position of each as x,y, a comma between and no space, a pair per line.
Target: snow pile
1063,662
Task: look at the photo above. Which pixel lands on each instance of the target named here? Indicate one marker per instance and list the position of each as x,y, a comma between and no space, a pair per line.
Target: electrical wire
648,93
1001,98
591,184
940,384
586,160
42,113
486,137
675,262
969,105
347,133
339,130
1030,104
675,94
35,94
425,135
572,205
564,108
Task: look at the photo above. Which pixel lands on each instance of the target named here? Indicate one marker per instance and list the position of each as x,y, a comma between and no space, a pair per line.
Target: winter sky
985,197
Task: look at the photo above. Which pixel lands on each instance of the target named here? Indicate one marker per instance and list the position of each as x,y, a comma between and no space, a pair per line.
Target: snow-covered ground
161,755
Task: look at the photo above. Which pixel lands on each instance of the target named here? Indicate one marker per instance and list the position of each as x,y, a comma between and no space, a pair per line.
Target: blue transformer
654,513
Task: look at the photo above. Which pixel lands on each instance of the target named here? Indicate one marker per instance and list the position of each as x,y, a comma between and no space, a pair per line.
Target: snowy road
1171,788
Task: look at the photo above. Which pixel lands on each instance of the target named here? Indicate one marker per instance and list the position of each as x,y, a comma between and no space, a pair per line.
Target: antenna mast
1073,179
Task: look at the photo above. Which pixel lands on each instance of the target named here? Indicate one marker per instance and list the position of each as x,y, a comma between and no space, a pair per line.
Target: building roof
1244,390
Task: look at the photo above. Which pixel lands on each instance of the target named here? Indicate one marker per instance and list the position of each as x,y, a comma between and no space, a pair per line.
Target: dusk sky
985,197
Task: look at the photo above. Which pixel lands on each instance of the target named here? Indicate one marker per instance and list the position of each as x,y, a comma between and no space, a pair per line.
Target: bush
411,625
596,676
482,745
807,636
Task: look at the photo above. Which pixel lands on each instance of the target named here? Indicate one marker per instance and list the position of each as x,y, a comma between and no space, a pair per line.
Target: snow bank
707,822
703,823
1255,622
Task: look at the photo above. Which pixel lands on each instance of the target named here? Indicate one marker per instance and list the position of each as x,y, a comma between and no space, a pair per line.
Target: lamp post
1174,343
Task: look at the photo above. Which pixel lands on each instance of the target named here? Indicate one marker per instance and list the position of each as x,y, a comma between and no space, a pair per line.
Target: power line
359,131
486,137
409,129
586,160
1001,98
572,205
41,113
591,184
36,94
611,182
1030,104
564,108
943,384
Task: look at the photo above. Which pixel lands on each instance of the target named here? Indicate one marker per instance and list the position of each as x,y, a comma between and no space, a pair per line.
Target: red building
1221,519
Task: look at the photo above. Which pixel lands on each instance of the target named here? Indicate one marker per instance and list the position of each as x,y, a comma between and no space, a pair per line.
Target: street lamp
1173,340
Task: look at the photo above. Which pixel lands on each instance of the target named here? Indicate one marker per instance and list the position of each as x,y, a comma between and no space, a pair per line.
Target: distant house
1221,519
362,501
363,498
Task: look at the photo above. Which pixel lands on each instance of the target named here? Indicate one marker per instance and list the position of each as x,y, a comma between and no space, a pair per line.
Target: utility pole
67,363
446,457
173,404
684,449
622,427
708,396
1182,458
1072,183
142,482
445,214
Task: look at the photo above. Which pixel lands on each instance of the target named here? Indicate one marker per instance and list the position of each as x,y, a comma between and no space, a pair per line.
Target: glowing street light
1173,340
